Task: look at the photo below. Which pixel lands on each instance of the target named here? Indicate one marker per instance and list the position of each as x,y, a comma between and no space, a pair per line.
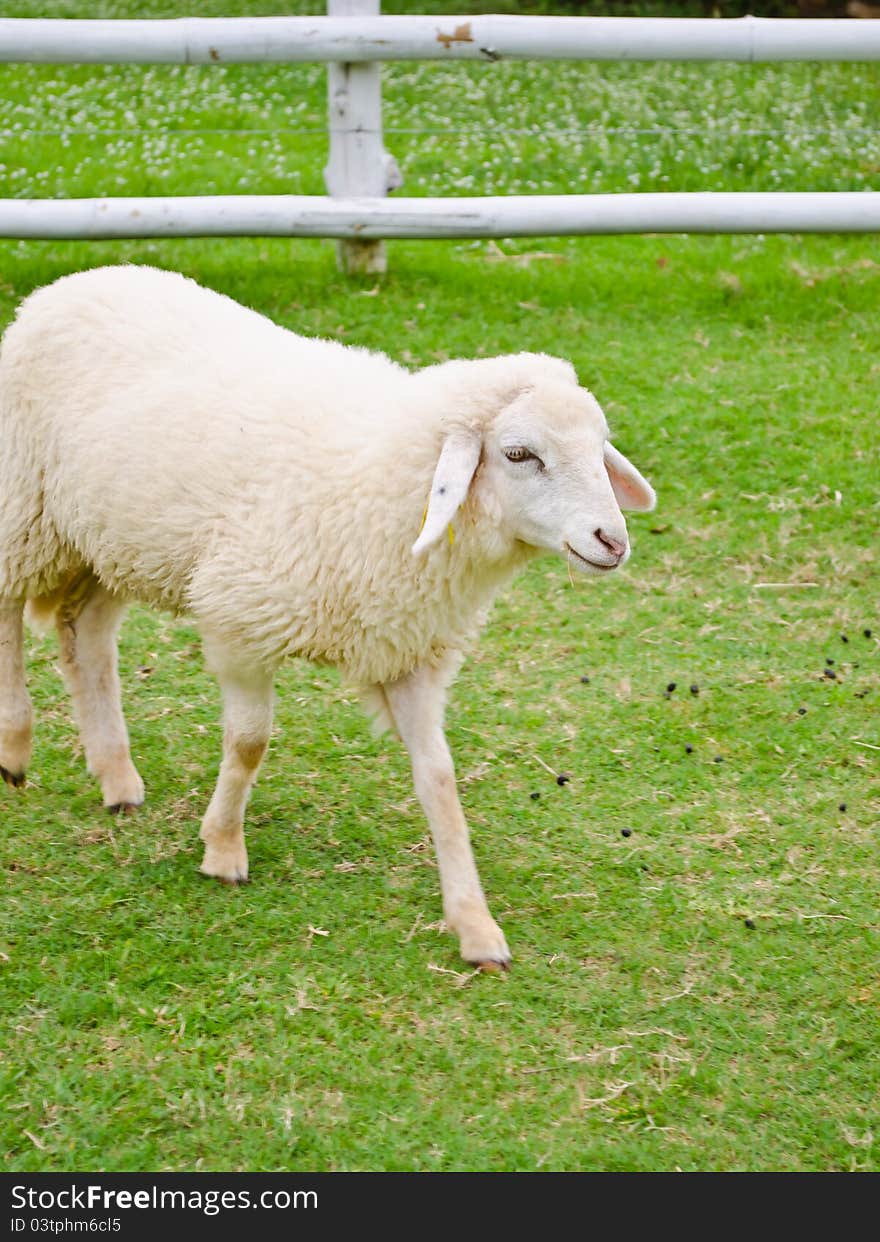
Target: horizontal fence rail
364,219
241,40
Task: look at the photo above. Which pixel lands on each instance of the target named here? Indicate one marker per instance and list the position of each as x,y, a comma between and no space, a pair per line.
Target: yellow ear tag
425,518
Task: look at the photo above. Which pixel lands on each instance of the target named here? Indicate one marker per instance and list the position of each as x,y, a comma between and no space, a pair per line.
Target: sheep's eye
519,453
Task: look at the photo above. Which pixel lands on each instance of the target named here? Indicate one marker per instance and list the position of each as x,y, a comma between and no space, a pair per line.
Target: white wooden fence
353,39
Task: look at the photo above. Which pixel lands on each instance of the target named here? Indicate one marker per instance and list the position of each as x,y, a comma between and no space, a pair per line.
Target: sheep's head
548,472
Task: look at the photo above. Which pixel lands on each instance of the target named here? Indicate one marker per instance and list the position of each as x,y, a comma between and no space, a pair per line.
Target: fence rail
368,219
488,38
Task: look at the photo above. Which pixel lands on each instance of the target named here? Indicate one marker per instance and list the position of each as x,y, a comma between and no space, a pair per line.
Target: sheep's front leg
416,704
247,722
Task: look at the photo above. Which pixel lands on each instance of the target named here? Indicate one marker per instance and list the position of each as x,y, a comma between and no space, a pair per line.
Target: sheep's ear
455,468
630,490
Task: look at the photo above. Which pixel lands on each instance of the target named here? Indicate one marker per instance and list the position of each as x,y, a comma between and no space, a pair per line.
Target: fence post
358,165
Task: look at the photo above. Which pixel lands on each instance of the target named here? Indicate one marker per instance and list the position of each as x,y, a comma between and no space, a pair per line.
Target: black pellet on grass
844,639
750,924
867,633
688,750
563,778
670,687
802,711
828,660
626,832
695,689
842,806
585,681
718,759
829,672
535,796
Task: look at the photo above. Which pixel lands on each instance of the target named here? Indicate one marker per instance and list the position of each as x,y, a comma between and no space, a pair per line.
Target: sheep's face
544,464
549,476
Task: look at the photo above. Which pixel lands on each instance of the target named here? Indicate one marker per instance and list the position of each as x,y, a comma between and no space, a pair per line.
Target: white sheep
295,496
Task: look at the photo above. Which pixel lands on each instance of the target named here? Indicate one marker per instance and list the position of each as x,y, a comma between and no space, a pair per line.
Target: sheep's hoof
493,967
123,808
15,779
229,881
225,866
484,946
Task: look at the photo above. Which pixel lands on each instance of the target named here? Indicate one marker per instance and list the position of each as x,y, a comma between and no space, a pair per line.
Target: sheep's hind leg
16,714
88,620
416,704
247,722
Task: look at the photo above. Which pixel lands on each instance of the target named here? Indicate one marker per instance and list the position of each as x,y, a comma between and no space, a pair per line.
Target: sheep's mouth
585,560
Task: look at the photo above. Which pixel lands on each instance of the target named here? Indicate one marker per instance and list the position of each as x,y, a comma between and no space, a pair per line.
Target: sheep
295,497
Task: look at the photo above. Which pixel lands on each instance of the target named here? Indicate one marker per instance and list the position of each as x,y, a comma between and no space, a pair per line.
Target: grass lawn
700,993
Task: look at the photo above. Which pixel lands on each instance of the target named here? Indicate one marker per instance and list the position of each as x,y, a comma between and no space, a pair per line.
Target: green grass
152,1019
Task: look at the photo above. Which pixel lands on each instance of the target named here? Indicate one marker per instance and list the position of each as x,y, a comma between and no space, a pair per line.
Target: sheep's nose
614,546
